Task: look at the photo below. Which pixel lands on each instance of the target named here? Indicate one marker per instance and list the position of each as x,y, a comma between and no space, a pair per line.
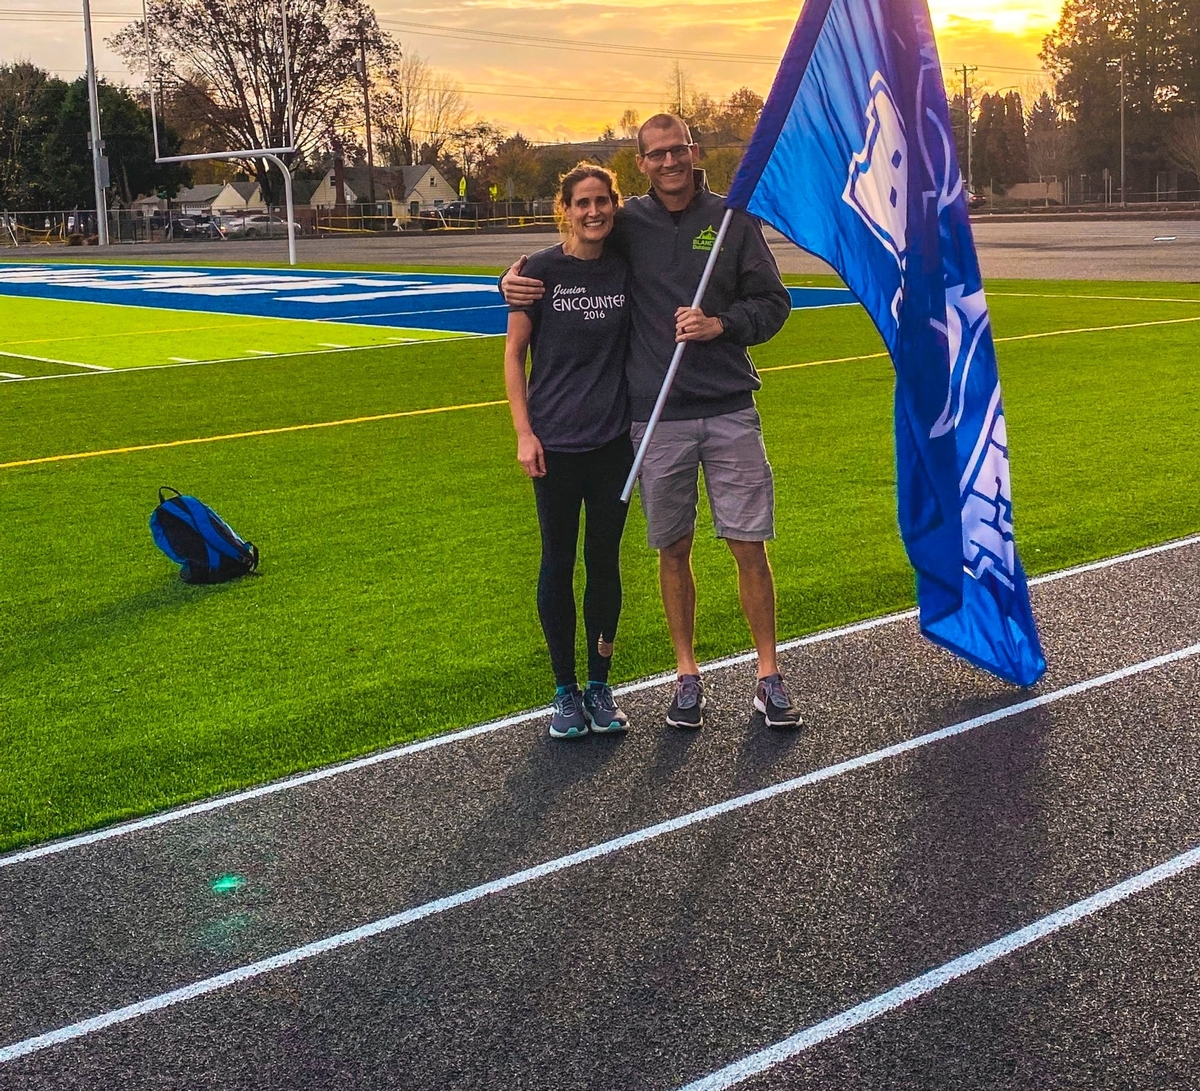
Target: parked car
976,199
258,225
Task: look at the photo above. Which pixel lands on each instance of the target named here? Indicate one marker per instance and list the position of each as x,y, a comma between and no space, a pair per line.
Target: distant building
238,197
198,200
402,191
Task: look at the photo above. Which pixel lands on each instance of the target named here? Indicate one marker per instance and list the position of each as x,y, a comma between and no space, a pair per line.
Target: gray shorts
737,476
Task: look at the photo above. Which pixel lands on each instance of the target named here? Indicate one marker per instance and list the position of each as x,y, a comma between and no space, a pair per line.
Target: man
709,419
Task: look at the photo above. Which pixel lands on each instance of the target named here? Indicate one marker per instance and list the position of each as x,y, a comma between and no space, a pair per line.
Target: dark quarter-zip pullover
667,253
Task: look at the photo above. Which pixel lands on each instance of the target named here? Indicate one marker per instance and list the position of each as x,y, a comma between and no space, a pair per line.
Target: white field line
757,1063
53,848
562,863
52,360
389,344
10,375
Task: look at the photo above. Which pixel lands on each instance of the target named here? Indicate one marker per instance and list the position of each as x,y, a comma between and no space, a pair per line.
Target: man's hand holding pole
691,324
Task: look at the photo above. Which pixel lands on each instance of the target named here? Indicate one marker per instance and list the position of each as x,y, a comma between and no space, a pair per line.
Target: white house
410,190
238,197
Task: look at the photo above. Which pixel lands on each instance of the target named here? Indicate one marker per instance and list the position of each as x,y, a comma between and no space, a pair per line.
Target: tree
1183,143
45,130
24,93
741,113
630,181
225,59
515,168
1160,43
630,123
475,145
1049,140
417,108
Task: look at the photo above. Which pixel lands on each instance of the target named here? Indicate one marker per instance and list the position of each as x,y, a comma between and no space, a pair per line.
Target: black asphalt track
662,962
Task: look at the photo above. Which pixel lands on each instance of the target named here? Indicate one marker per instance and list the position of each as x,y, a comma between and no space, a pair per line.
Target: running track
632,939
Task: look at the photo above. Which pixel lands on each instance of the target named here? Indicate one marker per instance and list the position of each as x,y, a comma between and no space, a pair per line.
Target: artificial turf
42,335
400,555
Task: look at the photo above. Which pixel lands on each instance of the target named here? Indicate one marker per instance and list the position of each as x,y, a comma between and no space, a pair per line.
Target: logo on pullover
705,240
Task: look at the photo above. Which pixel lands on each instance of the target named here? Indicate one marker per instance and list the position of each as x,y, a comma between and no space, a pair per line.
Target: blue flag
854,160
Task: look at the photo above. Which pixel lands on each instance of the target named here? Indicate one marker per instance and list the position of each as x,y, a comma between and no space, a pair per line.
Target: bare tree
224,60
1183,143
444,113
399,106
630,123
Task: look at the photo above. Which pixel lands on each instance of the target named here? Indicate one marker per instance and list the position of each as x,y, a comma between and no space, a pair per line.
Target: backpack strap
167,488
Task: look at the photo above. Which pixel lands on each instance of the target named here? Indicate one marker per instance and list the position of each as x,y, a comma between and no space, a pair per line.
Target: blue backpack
198,540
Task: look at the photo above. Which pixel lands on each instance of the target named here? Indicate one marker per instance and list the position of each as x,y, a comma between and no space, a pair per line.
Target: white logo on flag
986,490
877,188
966,319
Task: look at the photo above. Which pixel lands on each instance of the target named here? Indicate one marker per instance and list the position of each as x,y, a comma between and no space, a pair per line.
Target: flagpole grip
652,423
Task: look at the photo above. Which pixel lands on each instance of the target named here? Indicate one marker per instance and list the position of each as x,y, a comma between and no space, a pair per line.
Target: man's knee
750,556
678,554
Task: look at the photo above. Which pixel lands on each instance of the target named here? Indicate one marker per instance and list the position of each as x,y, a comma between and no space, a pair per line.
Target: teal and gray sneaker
568,721
601,709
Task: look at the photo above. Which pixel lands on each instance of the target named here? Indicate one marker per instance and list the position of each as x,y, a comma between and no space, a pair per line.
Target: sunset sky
552,93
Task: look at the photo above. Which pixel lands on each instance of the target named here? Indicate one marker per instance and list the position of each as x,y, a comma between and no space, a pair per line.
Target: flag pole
652,423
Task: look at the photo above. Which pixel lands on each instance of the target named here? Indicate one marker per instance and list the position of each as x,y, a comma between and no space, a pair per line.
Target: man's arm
518,290
763,303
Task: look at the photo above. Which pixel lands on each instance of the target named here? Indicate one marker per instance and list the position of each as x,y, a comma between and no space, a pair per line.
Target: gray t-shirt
578,399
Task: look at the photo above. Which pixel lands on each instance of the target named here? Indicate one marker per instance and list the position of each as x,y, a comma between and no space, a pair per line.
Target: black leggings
594,479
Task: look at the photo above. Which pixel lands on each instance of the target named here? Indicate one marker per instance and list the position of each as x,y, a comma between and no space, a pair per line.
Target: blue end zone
445,302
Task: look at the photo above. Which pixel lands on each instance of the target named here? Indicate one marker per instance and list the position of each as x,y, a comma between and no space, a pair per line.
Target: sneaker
601,710
687,708
772,700
568,720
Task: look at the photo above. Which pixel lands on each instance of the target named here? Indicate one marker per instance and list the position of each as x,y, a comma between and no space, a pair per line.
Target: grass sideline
400,556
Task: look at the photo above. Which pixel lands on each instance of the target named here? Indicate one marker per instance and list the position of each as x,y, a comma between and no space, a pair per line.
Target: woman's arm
516,346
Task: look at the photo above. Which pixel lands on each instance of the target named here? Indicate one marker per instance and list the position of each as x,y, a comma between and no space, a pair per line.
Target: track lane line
308,951
216,803
757,1063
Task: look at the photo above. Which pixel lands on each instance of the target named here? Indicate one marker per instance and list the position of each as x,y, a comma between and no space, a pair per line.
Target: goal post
270,154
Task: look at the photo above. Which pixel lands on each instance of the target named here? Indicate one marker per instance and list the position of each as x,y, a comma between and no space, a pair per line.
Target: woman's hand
530,455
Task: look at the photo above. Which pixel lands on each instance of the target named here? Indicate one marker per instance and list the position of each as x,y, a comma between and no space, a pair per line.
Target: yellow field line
246,435
999,340
482,405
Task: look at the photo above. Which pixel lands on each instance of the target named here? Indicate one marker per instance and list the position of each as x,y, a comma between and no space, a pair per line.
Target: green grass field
396,594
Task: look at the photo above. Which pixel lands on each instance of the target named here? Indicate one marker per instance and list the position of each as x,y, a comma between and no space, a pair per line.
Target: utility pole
1122,130
366,82
966,71
99,160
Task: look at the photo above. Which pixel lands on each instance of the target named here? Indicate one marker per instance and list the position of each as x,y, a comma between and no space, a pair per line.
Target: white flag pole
652,423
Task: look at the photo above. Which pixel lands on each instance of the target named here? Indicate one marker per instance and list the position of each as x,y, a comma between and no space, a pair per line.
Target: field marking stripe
247,435
277,356
380,757
997,340
250,321
52,360
757,1063
562,863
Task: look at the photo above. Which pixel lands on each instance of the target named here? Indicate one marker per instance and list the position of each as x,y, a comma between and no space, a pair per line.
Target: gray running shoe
687,708
772,700
602,711
568,720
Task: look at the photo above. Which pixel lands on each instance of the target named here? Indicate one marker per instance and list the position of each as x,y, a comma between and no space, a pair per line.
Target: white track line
217,803
562,863
757,1063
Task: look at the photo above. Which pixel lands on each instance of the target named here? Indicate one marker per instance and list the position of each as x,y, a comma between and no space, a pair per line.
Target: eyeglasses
658,155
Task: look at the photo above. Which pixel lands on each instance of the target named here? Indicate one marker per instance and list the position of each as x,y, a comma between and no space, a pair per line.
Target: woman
572,421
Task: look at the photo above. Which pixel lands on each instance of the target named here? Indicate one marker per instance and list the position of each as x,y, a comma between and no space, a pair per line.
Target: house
409,190
238,197
197,201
